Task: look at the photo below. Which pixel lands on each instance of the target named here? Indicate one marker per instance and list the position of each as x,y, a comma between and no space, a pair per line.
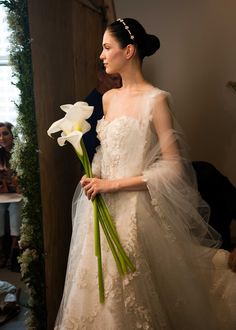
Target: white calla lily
74,138
73,125
55,127
66,107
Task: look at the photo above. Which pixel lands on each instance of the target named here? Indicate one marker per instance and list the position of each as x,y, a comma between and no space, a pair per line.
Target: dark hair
147,44
8,125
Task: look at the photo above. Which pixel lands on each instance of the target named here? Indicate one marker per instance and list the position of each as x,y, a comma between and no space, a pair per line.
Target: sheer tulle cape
181,233
191,243
173,246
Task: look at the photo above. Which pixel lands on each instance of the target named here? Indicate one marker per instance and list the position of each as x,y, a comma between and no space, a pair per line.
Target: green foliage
25,161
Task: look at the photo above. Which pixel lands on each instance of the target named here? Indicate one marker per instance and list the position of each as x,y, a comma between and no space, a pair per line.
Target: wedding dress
181,280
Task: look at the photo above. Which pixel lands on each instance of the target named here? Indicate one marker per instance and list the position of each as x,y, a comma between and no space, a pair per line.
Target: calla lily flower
73,125
74,138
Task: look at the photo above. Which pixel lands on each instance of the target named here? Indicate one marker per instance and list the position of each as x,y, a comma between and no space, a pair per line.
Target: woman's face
113,56
6,138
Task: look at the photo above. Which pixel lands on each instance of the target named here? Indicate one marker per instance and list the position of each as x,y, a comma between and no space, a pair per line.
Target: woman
142,170
8,186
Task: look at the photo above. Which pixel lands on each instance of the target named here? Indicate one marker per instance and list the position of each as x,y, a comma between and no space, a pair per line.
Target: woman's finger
85,180
90,191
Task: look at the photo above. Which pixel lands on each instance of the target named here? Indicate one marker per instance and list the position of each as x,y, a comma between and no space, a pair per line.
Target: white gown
181,281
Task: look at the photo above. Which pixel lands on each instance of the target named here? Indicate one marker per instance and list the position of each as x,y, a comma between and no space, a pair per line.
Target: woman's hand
94,186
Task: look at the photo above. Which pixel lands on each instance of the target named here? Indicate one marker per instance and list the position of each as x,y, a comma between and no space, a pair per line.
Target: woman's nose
101,56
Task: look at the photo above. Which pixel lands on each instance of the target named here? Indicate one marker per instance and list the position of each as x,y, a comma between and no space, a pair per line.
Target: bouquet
73,125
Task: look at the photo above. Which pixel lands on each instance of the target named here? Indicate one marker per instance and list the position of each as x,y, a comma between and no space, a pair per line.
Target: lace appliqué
115,154
82,278
81,323
142,315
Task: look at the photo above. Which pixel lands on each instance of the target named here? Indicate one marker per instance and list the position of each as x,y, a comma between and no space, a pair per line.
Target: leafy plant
25,161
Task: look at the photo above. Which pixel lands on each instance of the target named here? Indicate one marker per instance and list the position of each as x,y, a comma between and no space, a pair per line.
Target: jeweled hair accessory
126,27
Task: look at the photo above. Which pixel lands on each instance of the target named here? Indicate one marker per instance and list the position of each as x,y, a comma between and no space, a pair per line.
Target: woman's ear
130,51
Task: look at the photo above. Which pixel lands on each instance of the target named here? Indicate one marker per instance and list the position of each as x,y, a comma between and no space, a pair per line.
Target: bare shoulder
161,103
161,97
161,110
106,99
108,94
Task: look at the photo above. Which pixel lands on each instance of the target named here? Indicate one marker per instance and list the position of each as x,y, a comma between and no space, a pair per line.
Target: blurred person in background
104,84
10,200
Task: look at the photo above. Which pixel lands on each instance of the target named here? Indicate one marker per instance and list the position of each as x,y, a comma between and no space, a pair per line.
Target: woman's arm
163,123
94,186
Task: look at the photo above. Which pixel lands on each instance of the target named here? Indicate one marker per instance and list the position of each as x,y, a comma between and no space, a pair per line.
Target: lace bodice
120,140
126,141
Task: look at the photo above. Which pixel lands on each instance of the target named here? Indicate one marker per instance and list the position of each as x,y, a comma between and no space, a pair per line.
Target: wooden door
66,41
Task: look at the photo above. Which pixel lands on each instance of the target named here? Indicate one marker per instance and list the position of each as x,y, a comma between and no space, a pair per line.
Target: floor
14,278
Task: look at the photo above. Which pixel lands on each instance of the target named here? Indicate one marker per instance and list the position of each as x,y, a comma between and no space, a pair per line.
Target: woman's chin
109,70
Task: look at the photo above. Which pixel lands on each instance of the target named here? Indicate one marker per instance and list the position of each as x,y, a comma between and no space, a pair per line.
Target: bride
181,280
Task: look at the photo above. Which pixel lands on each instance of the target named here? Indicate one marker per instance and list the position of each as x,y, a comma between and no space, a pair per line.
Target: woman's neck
133,79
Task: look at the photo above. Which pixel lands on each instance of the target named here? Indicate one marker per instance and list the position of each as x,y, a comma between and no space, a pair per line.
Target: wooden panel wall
66,43
87,26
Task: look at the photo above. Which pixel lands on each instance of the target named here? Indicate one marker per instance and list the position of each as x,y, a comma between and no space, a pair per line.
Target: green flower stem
100,281
115,239
81,158
100,273
98,253
121,265
115,235
97,239
112,247
106,213
96,230
86,160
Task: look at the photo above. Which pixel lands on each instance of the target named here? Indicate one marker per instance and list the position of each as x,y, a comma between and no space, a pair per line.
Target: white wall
196,59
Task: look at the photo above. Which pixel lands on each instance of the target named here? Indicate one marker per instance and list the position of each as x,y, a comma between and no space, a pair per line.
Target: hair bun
130,31
152,44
